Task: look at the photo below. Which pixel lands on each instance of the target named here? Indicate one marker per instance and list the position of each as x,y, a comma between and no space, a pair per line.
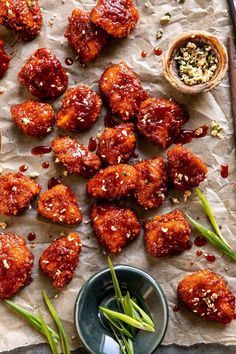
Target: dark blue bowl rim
125,268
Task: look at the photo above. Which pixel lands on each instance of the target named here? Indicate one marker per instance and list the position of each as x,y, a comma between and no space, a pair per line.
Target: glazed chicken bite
186,170
207,295
160,120
16,193
16,263
116,17
152,182
21,16
113,182
33,118
84,37
114,226
80,109
167,235
59,204
75,157
4,59
43,75
58,262
116,145
123,91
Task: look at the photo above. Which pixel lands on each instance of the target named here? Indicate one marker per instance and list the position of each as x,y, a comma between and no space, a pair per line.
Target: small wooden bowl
170,69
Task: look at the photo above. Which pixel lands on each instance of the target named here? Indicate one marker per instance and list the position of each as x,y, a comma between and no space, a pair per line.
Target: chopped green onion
48,334
143,314
118,294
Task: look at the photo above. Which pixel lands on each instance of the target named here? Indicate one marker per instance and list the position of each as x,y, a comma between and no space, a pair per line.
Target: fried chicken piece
4,59
59,261
59,204
113,182
207,295
114,226
43,75
80,109
116,17
34,118
167,235
152,182
123,91
75,156
16,263
84,37
22,16
16,193
160,120
186,170
116,145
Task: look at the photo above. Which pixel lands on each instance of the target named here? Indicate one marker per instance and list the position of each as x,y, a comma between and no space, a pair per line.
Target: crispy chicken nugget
152,182
34,118
43,75
16,193
113,182
116,145
80,109
167,235
4,59
21,16
116,17
160,120
84,37
123,91
186,169
207,295
59,261
114,226
75,156
60,205
16,263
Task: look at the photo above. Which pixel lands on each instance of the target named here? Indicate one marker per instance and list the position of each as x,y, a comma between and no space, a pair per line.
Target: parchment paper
184,328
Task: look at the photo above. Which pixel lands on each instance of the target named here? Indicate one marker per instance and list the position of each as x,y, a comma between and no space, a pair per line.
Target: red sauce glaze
92,145
224,171
187,135
53,181
31,236
176,308
198,253
210,257
41,150
23,168
4,59
143,54
189,245
158,51
45,164
235,316
69,61
109,122
135,155
200,241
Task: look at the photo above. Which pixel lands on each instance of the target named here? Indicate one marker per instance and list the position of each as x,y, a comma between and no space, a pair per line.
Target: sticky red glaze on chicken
167,235
80,109
84,37
16,193
16,263
21,16
116,145
152,182
114,226
207,295
116,17
75,156
59,261
43,75
123,91
59,204
186,170
4,59
160,120
34,118
113,182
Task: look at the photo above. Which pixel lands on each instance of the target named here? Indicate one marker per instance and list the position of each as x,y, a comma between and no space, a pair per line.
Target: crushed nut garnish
165,19
216,129
159,33
34,174
186,195
3,225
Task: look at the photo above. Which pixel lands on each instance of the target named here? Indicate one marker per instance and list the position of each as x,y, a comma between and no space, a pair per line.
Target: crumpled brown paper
184,328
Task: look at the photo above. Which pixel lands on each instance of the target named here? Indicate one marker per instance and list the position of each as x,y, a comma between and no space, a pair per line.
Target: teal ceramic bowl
98,291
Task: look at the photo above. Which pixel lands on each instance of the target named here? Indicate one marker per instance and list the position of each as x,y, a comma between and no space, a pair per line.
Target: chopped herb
159,33
216,130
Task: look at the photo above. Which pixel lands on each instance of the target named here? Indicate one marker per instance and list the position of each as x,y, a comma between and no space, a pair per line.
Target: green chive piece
118,294
118,325
63,337
143,314
119,341
49,336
